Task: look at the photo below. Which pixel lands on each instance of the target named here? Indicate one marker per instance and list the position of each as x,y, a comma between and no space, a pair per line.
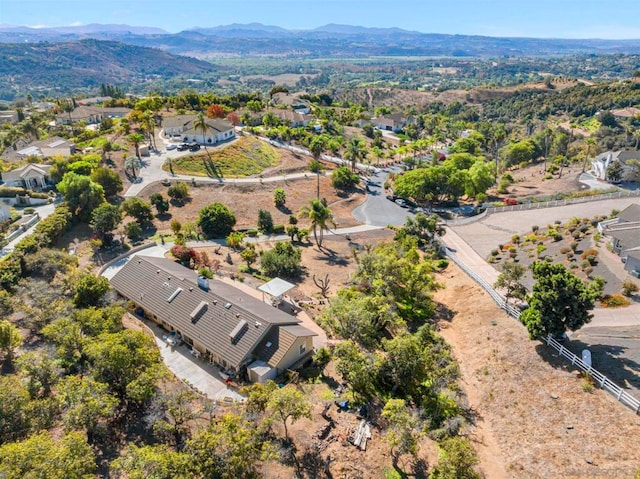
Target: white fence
568,201
603,381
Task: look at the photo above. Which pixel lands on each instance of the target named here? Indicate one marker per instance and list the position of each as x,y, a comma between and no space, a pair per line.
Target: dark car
182,147
392,197
194,147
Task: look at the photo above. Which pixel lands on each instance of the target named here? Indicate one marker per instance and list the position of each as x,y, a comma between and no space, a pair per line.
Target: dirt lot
246,199
535,419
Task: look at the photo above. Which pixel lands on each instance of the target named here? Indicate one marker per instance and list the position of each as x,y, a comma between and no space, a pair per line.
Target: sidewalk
43,211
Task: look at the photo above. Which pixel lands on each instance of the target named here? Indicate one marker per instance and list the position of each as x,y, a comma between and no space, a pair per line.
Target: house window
303,349
208,140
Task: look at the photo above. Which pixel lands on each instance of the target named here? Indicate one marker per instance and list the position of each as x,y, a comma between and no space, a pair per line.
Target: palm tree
200,124
316,148
135,139
320,216
356,150
131,163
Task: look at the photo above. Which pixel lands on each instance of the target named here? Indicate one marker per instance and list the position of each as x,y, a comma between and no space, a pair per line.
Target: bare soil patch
533,413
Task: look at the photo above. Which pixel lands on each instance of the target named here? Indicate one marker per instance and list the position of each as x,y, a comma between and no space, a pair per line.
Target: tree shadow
615,361
284,209
164,216
444,313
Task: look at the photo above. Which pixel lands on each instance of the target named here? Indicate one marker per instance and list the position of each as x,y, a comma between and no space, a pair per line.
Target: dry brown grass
512,382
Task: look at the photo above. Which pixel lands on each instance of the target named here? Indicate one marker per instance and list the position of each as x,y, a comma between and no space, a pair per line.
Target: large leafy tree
81,194
85,403
14,420
137,208
230,448
321,218
402,433
157,462
128,362
105,218
109,180
362,317
41,455
216,220
560,301
282,260
288,403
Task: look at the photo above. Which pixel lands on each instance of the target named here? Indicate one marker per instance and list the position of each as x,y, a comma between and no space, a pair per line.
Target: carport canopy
276,288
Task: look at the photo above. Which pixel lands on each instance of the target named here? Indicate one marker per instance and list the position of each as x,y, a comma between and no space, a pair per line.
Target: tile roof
232,325
630,213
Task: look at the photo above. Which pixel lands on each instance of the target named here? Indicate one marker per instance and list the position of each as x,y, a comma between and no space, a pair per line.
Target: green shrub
278,229
11,192
252,233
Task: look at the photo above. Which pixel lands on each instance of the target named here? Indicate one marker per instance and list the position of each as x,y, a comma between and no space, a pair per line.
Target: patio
196,372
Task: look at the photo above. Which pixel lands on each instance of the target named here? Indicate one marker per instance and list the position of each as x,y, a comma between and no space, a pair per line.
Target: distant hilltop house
394,123
33,176
182,126
626,112
604,160
223,324
54,146
96,100
8,116
624,232
91,115
291,101
293,118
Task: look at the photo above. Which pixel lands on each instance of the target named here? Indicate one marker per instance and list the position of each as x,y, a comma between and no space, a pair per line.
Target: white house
604,160
395,122
91,115
54,146
182,126
32,176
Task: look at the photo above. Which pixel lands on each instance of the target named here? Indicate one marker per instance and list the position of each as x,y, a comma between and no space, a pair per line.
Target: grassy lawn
247,156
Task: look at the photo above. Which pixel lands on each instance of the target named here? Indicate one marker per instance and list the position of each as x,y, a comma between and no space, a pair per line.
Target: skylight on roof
173,295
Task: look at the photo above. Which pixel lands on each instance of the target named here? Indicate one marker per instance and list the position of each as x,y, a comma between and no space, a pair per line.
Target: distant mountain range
327,41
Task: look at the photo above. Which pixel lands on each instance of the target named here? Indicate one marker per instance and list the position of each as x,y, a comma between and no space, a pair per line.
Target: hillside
88,63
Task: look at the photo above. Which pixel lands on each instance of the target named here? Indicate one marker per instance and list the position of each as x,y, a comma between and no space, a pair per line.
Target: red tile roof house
227,326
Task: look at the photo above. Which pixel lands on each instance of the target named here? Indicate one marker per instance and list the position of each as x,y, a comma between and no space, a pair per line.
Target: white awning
276,287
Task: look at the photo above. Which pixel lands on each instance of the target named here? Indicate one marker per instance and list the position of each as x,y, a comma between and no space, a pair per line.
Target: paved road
378,210
43,211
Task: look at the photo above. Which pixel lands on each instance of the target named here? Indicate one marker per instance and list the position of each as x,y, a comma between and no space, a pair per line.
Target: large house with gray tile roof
182,127
624,232
224,324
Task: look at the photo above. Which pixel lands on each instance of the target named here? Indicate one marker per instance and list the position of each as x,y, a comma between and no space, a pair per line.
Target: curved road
377,210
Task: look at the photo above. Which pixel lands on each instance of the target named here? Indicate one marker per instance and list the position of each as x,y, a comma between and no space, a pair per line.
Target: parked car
392,197
194,147
183,147
401,202
171,146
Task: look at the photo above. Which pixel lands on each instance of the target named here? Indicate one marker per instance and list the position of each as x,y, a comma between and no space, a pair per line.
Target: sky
611,19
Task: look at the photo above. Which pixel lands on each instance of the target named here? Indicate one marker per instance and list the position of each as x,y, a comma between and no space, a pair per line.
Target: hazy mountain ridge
328,40
88,63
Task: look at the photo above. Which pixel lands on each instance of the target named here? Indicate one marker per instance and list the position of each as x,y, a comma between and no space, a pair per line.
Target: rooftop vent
237,330
228,305
268,344
258,324
173,295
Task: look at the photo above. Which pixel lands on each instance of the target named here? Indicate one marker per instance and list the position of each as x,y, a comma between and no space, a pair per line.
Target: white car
171,146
